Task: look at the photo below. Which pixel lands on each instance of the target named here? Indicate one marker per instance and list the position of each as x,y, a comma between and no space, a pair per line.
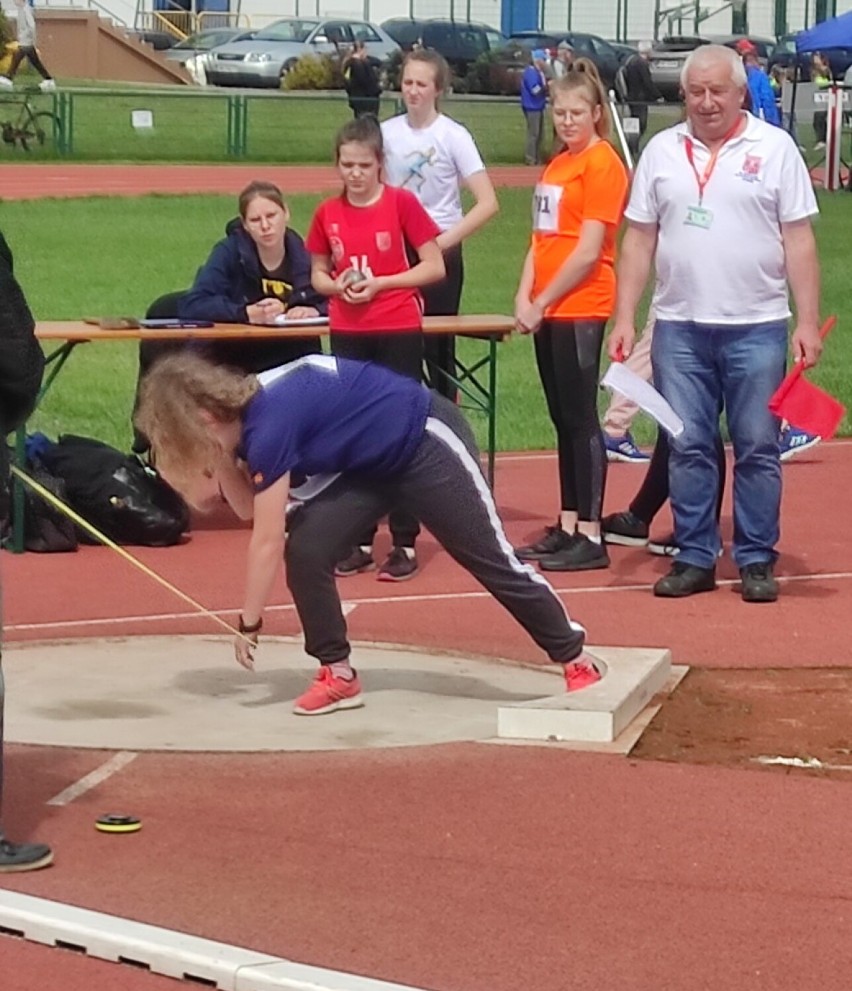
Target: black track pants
445,488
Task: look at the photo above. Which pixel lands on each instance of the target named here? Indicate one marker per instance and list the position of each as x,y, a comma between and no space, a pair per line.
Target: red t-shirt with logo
372,239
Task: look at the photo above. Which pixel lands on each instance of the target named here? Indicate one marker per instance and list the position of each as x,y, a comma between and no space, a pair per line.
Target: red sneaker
580,674
328,694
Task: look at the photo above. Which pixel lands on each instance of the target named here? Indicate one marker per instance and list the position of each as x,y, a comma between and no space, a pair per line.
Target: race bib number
546,200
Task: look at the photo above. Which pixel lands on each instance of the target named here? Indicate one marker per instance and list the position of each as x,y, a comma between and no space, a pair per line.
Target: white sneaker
6,82
47,86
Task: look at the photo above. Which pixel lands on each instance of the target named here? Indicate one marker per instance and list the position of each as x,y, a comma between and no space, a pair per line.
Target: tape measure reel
118,824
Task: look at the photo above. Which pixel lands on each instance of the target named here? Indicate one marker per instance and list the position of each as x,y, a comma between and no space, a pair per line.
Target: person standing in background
434,157
760,89
533,103
821,78
21,368
27,49
565,297
362,82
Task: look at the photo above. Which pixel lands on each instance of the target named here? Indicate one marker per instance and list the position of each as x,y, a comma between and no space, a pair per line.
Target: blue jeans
702,369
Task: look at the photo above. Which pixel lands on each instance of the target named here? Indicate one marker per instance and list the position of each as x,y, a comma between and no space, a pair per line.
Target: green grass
103,256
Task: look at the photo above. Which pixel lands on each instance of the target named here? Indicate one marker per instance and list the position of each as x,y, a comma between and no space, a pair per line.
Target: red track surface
29,182
465,867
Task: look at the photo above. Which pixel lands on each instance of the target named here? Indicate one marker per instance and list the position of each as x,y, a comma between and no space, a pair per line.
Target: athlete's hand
528,315
620,342
244,647
363,291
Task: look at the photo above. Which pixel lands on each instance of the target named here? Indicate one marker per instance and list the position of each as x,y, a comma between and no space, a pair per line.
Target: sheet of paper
632,386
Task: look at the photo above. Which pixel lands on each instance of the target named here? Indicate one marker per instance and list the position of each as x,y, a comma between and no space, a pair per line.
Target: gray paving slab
187,693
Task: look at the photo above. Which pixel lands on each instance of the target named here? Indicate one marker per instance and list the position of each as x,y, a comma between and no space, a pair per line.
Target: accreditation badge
699,216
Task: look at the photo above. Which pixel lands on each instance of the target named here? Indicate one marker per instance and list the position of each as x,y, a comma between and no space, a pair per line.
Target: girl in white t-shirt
435,157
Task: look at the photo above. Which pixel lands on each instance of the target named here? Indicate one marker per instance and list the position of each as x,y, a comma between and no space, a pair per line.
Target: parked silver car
203,41
273,51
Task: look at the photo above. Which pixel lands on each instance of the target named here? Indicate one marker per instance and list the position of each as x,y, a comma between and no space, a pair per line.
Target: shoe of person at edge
582,554
581,673
18,857
624,449
328,693
400,565
685,579
794,441
758,583
625,529
553,540
357,561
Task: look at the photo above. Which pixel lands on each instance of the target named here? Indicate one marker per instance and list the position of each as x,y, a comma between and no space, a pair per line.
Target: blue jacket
533,89
762,98
231,279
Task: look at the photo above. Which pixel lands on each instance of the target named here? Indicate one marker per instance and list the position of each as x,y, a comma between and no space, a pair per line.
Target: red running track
29,182
467,867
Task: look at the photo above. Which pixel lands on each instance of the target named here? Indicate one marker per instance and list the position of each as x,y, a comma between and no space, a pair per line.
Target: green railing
221,124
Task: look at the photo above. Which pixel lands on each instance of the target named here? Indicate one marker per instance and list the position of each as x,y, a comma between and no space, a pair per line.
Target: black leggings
402,353
443,299
568,353
27,52
655,487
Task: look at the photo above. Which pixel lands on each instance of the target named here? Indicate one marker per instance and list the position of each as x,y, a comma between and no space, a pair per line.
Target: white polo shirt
724,263
431,162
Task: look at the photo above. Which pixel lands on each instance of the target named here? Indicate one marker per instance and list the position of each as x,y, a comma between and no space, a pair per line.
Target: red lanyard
703,179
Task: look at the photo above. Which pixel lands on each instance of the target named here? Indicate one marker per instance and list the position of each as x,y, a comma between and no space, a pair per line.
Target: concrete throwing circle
188,693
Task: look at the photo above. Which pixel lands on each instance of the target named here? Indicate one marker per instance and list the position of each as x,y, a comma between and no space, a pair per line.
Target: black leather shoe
581,554
685,579
759,584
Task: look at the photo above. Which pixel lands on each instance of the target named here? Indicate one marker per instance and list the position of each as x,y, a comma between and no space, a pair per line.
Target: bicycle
30,126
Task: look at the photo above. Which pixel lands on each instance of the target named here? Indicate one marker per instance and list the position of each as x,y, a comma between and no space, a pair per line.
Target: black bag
47,529
117,494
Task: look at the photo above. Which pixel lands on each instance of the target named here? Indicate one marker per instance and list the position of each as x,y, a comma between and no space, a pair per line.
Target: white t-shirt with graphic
721,261
431,162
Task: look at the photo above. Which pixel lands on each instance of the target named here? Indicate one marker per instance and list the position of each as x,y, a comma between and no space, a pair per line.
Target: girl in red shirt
357,243
565,297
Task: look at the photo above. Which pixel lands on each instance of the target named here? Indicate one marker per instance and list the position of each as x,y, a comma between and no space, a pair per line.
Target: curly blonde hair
173,396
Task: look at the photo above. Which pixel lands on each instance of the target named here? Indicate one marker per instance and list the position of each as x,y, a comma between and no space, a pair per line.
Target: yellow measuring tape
48,496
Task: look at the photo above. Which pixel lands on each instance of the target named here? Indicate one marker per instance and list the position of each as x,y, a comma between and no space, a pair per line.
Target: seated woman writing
257,272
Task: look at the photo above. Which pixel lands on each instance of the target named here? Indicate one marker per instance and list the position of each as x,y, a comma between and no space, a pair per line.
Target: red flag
805,406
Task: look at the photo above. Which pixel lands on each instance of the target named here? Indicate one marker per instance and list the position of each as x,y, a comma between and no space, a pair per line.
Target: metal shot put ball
352,276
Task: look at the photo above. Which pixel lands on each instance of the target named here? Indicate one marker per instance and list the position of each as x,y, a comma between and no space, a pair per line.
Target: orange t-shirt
589,186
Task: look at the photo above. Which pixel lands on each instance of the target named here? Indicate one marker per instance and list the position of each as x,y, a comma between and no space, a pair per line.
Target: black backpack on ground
123,498
47,529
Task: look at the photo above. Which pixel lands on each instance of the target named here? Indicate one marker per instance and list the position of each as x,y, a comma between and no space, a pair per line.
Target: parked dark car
784,54
596,49
460,42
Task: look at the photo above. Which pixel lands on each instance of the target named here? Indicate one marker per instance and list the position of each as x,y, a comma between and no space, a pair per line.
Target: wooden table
476,381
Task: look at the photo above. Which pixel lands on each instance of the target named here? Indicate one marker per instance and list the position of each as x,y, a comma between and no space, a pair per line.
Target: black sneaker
582,554
759,584
359,559
664,547
401,564
553,540
17,857
625,529
685,579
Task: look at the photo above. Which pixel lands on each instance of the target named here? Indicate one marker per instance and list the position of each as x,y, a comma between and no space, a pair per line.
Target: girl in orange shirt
565,297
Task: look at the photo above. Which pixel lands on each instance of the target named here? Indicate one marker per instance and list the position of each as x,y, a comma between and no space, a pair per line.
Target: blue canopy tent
836,33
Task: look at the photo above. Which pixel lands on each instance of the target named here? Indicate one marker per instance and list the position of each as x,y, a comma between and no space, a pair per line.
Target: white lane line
167,951
352,604
93,778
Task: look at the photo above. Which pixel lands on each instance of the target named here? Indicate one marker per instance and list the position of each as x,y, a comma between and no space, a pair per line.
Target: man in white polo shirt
724,201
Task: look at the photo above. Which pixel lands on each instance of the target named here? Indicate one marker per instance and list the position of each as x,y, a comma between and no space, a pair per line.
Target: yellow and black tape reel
118,824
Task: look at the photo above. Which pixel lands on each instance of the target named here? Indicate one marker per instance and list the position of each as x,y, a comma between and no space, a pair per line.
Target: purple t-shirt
324,415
